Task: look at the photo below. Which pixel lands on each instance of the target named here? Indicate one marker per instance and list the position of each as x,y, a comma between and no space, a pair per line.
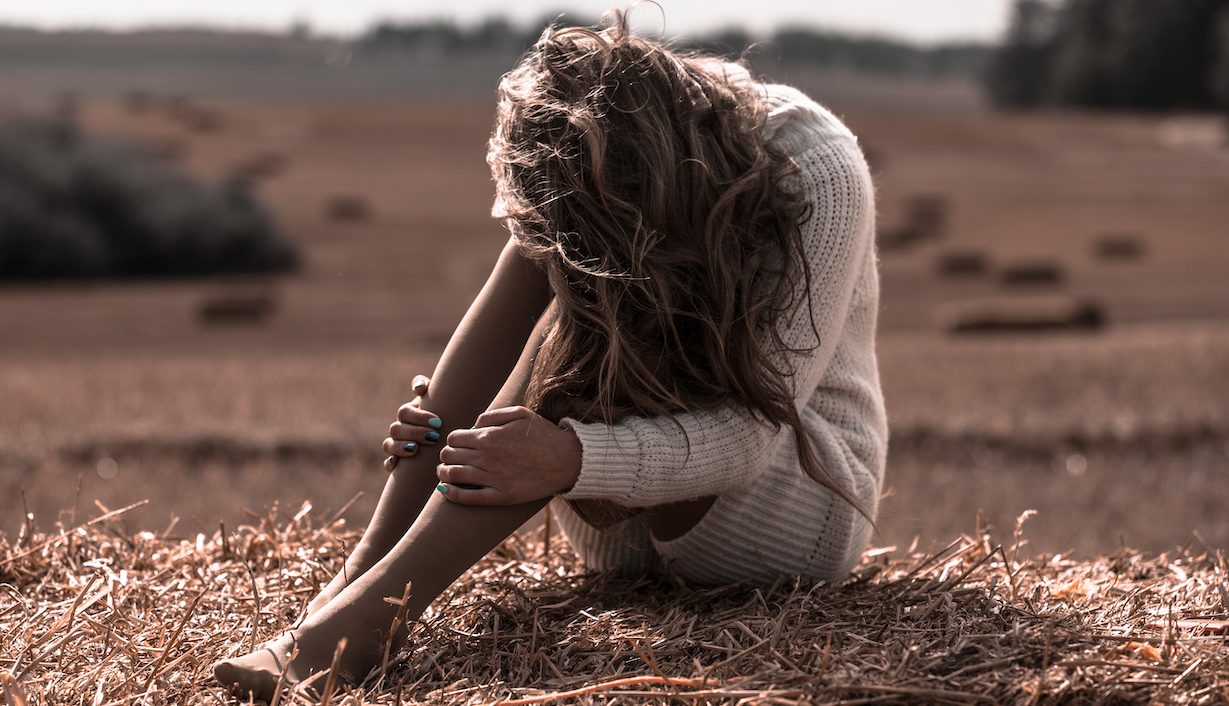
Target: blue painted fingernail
410,446
442,488
433,436
435,422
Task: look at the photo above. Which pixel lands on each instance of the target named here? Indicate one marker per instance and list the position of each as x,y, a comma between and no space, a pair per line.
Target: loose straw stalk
605,686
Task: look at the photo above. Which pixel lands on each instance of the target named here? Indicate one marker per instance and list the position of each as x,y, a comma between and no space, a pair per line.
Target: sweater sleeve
646,461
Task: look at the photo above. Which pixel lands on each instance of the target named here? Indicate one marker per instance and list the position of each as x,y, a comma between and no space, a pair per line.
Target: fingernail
435,422
433,436
390,463
443,488
410,446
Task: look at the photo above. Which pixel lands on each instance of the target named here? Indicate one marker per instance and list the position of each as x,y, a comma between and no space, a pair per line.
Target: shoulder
832,170
833,174
799,127
796,123
824,148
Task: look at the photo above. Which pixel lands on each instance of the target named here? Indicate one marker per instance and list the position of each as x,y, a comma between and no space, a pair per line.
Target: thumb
503,415
419,385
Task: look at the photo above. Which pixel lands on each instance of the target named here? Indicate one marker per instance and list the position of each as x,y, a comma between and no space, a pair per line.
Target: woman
691,284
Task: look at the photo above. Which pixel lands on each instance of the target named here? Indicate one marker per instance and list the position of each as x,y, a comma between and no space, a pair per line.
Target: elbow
761,448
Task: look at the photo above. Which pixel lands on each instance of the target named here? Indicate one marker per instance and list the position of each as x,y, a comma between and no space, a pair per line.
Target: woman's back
770,517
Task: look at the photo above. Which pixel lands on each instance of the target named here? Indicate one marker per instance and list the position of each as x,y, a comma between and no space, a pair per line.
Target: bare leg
444,541
474,365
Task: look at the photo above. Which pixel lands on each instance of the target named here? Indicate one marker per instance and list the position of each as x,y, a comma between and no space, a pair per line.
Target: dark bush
1120,247
75,206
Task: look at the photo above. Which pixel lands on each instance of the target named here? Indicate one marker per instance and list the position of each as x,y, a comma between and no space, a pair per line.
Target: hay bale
928,213
347,208
1119,247
1040,272
962,263
238,306
926,217
898,239
1021,315
262,165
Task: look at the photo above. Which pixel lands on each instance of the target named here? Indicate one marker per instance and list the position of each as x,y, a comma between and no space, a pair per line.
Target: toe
244,680
226,672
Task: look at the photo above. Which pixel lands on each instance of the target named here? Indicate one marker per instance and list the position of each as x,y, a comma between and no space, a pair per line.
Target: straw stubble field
1118,436
94,616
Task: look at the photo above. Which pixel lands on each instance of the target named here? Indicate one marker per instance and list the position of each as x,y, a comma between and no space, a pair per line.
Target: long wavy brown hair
637,177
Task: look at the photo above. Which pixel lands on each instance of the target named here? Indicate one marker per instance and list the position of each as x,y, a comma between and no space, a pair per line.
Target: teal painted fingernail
410,446
433,436
435,422
442,488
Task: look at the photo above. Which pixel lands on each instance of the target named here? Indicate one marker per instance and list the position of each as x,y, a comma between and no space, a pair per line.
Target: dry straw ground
91,615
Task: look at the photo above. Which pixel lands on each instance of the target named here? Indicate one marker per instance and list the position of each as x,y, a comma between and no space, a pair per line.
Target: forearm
485,347
643,462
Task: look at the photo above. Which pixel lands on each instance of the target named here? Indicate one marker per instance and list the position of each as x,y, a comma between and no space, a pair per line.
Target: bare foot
258,674
316,639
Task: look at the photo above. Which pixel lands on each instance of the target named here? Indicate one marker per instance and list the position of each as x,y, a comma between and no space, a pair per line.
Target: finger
409,432
409,413
470,496
461,456
503,415
399,448
419,385
456,474
467,438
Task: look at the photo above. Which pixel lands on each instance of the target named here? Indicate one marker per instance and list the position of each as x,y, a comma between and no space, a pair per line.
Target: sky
918,20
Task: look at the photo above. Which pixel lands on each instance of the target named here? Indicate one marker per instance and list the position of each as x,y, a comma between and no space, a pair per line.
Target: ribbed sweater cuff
610,460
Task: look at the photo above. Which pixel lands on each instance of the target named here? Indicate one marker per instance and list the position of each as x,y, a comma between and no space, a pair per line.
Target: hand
414,426
512,455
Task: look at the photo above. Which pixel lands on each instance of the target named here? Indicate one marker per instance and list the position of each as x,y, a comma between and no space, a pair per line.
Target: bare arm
471,373
488,341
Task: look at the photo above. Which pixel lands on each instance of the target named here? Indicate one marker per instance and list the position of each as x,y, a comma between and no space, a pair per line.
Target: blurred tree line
75,206
788,45
1136,54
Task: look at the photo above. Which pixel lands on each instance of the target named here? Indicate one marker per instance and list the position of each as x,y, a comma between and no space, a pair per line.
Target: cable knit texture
770,518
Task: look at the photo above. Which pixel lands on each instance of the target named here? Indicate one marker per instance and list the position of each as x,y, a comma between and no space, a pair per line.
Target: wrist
571,460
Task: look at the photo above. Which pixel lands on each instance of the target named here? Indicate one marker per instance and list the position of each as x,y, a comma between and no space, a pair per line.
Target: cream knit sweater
768,505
